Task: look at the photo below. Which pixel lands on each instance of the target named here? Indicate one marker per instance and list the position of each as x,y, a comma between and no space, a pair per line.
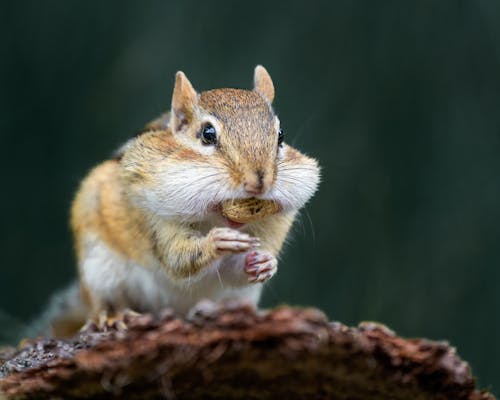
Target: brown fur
249,133
109,214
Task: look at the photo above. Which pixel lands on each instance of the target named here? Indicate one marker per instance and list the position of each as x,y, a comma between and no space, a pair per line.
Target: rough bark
233,352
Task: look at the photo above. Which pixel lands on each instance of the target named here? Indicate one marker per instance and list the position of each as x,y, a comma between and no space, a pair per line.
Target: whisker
303,168
313,233
287,195
220,278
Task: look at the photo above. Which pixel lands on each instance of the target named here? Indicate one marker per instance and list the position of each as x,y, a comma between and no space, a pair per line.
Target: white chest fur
120,283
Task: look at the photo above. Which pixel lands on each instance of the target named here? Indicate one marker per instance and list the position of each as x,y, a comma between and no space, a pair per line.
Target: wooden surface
233,352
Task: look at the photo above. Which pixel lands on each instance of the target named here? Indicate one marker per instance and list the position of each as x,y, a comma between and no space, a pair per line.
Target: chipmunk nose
254,183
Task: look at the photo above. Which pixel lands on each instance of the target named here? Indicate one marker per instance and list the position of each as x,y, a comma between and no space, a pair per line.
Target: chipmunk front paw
260,266
227,240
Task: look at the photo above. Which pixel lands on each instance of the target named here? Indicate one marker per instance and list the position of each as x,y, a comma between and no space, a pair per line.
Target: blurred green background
399,101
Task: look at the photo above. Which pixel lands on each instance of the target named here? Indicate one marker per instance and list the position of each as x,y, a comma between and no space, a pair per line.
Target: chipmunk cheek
236,178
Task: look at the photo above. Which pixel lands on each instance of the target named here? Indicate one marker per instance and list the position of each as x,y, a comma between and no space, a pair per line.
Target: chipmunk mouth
233,224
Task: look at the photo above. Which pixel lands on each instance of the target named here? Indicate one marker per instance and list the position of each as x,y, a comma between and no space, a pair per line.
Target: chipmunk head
219,144
237,128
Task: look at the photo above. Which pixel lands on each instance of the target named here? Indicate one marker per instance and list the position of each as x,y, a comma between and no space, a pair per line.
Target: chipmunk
148,227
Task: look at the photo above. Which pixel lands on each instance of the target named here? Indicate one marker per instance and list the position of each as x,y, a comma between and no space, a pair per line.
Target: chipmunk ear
184,101
263,83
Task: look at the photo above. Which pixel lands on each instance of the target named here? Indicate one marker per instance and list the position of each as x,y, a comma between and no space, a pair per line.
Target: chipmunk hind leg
116,288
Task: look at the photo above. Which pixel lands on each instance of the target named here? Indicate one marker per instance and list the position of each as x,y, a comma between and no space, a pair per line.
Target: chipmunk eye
281,137
208,135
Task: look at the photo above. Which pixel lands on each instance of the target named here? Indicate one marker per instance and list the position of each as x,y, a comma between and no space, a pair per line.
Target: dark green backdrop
399,100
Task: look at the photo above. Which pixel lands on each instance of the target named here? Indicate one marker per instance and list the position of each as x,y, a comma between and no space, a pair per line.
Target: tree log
231,351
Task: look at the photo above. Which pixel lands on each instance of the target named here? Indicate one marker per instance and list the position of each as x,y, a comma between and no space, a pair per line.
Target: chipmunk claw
260,266
106,322
227,240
